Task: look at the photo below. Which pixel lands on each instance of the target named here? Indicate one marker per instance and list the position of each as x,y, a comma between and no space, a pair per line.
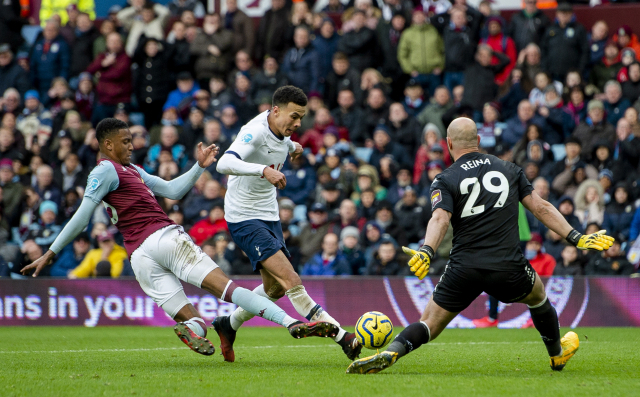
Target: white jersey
253,196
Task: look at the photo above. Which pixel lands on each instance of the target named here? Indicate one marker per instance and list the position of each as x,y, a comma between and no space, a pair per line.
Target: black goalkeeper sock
493,307
411,338
545,319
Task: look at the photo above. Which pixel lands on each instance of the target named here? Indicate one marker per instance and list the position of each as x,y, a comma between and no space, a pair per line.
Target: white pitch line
252,347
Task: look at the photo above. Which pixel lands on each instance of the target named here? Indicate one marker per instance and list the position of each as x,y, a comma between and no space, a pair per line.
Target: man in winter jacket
528,25
301,64
421,51
49,58
359,44
12,74
212,49
328,262
565,45
142,18
244,36
82,49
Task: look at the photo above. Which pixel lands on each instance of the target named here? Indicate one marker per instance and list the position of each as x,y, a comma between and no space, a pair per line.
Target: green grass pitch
136,361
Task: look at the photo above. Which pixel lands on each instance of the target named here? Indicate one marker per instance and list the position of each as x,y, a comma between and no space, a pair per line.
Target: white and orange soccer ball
374,330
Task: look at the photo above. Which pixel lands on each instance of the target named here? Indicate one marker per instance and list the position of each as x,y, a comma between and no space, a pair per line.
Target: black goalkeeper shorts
460,285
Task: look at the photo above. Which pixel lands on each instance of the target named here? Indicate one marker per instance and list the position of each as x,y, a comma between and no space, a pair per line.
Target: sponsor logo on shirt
436,197
246,138
93,185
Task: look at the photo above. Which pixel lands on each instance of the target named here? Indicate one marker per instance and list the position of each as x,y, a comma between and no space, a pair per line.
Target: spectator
181,44
268,80
10,101
93,265
242,27
384,146
490,128
626,151
168,142
479,83
541,262
230,123
388,36
11,191
349,116
312,234
143,18
403,129
272,32
347,217
421,51
350,247
114,84
341,77
414,100
206,228
82,47
542,81
11,24
301,180
528,25
182,97
375,113
328,262
71,256
301,63
35,121
153,78
611,262
212,48
598,41
359,44
571,265
516,126
594,128
589,202
459,48
177,7
606,68
440,104
630,88
45,230
565,45
411,216
625,38
566,208
500,43
619,212
615,104
385,261
326,45
49,58
71,174
12,74
560,123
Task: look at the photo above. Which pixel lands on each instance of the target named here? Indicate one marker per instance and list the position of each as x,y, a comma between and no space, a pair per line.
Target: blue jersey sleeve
102,180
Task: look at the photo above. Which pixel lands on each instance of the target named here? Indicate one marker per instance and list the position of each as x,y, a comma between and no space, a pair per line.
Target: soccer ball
374,330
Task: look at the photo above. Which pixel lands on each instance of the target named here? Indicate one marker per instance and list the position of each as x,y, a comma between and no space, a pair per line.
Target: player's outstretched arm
553,219
76,224
436,229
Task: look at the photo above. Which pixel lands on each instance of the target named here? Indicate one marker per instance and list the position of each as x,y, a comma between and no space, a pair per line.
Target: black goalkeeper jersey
482,193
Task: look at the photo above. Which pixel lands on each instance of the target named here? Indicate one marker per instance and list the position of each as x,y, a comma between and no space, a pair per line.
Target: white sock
197,325
308,308
239,316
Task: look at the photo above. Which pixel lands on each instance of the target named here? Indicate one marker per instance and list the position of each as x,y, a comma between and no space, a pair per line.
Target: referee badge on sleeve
436,197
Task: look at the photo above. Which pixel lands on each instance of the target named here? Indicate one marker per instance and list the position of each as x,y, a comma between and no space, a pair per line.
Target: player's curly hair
109,126
288,93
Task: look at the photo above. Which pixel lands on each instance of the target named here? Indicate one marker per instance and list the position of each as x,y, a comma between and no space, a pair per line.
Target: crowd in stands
557,98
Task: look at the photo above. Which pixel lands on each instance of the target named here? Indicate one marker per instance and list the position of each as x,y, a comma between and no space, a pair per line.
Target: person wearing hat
500,43
414,100
528,25
565,45
421,52
71,256
45,231
34,120
595,128
350,247
329,261
107,251
211,225
212,48
114,85
625,38
12,74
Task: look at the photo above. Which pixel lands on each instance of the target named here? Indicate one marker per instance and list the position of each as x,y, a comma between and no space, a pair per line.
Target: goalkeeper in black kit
479,195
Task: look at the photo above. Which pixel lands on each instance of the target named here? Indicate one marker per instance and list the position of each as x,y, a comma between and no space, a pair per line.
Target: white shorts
163,259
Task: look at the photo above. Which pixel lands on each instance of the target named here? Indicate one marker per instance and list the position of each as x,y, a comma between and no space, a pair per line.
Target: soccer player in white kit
161,252
254,161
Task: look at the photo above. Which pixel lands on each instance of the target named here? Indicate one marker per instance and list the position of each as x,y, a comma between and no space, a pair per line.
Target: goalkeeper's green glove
420,260
597,241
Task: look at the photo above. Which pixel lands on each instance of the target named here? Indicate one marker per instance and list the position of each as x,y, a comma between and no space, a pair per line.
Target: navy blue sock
493,307
546,321
411,338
